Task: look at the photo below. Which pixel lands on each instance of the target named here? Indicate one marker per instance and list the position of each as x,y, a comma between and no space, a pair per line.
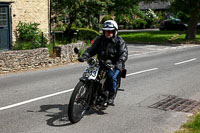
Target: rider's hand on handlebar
82,59
119,65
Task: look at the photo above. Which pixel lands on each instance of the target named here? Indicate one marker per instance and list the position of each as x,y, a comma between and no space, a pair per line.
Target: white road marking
148,70
141,54
58,93
185,61
33,100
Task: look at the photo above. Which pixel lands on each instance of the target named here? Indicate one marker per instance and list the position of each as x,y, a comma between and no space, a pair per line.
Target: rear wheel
78,102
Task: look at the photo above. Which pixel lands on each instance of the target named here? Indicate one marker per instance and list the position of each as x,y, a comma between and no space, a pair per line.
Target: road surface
37,101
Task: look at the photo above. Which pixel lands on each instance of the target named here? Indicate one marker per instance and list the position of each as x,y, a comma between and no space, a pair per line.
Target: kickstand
121,89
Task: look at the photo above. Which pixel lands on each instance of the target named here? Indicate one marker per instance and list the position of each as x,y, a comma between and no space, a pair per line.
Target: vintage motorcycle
90,92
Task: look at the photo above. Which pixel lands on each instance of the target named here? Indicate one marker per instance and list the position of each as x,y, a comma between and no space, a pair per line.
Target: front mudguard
93,87
84,79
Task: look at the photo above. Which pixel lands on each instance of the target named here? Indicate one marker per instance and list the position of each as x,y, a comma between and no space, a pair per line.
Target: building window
3,17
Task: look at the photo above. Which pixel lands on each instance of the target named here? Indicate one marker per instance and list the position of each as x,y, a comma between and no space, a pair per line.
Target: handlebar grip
81,60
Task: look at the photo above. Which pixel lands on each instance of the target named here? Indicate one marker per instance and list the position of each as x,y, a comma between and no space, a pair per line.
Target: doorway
5,27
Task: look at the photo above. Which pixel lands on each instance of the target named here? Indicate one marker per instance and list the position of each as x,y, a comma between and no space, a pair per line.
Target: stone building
14,11
159,5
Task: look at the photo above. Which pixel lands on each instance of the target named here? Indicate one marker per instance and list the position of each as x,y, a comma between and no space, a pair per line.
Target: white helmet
110,25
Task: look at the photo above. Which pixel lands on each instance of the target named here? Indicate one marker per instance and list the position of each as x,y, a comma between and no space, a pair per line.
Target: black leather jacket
114,49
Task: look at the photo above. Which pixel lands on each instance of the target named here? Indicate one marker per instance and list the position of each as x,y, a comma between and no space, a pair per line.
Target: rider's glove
82,59
119,65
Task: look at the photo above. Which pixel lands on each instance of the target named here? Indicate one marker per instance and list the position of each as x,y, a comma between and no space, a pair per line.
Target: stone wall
37,11
20,60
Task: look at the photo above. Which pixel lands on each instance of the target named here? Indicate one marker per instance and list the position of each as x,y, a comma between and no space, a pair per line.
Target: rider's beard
109,37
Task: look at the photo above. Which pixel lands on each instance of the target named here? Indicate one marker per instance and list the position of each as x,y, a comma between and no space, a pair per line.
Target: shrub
29,36
22,45
58,27
105,18
130,27
139,23
82,33
121,27
74,34
87,34
151,18
198,31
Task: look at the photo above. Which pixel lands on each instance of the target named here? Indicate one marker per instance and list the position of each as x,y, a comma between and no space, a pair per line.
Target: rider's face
109,33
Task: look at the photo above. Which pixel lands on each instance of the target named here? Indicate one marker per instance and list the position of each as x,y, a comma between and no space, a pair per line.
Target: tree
86,12
57,7
81,12
192,8
189,7
92,9
125,11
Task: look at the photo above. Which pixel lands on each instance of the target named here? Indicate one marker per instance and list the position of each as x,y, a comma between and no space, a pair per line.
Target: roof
154,5
5,2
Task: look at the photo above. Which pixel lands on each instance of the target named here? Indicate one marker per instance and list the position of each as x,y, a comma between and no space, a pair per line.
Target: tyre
78,103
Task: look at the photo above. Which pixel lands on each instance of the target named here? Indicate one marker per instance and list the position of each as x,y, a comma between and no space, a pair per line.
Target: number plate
91,72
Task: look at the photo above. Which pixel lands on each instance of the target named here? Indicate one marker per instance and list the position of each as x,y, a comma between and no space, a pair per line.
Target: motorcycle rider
109,46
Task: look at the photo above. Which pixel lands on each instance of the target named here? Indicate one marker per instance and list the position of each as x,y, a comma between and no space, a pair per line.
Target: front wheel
78,102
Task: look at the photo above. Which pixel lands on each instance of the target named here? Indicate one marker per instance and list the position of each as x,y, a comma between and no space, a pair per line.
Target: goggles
108,26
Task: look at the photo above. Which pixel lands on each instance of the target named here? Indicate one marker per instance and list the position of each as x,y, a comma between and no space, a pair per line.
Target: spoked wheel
78,102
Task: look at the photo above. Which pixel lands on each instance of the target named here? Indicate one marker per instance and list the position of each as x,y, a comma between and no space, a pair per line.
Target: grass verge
159,37
192,126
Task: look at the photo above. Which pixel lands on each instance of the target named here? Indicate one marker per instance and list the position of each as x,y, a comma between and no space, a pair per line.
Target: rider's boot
105,95
111,98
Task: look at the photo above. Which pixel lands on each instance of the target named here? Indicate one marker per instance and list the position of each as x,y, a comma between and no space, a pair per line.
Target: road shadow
58,114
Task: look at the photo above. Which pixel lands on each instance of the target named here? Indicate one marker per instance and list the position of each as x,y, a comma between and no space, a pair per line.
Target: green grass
157,37
192,126
22,45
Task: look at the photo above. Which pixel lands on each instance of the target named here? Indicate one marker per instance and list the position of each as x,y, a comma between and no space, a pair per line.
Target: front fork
94,87
91,90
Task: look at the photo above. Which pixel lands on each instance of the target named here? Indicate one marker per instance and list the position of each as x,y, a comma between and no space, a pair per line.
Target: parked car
172,24
198,26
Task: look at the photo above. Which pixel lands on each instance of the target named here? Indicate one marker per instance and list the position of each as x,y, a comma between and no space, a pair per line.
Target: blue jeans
112,80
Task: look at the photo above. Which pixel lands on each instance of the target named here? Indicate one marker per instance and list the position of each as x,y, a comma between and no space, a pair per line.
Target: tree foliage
81,12
85,13
191,9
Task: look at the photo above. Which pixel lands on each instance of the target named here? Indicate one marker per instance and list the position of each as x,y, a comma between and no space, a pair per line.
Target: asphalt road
37,101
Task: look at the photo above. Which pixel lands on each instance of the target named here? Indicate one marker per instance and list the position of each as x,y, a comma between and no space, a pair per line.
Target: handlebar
108,64
93,61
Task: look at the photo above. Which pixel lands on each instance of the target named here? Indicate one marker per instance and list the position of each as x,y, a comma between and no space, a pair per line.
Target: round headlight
91,61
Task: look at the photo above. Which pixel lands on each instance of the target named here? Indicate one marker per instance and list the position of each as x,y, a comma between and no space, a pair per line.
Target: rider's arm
92,50
123,54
